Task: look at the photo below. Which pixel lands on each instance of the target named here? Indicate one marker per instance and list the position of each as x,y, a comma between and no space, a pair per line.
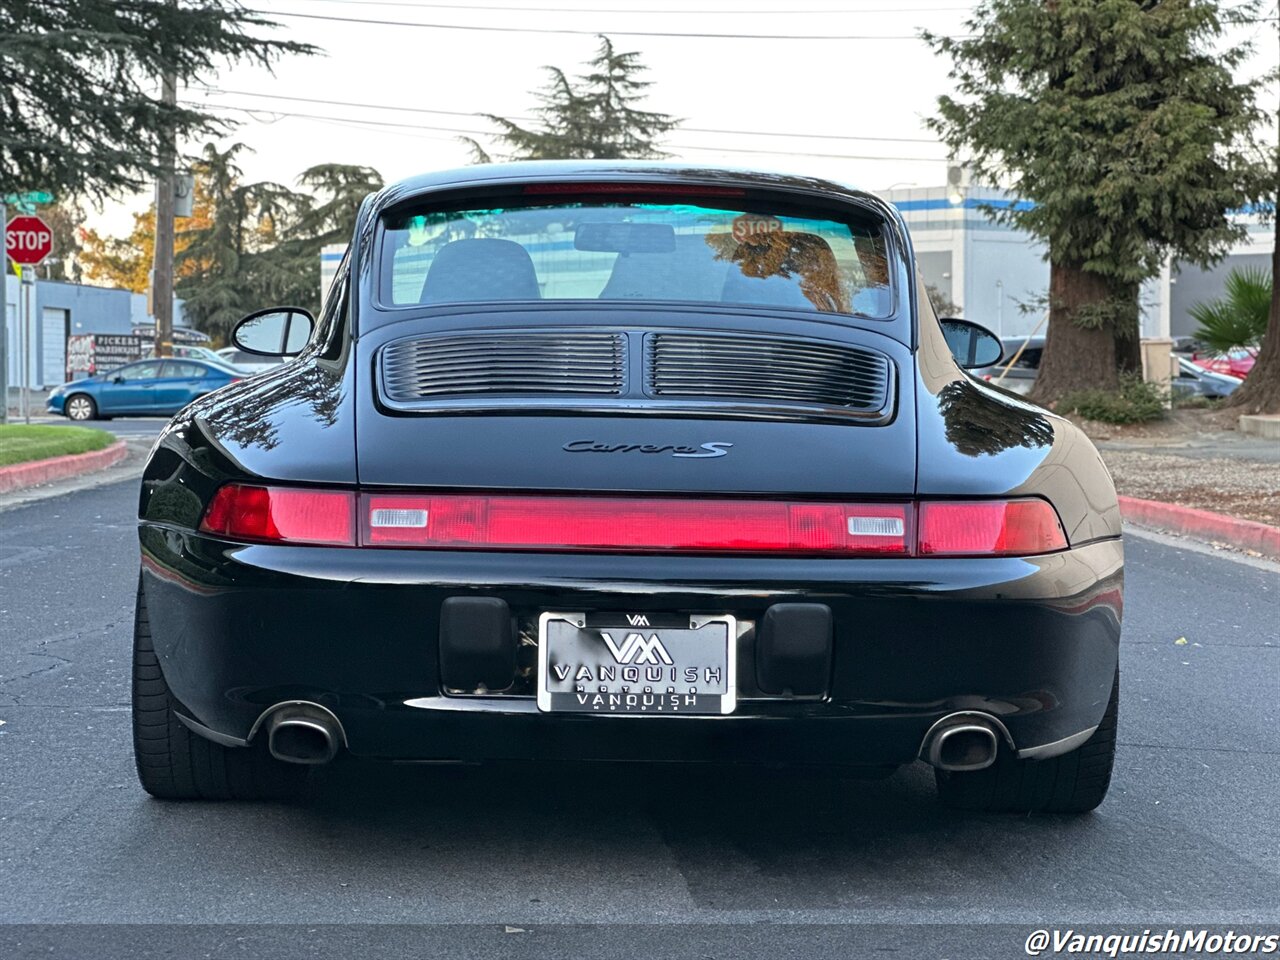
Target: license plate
637,663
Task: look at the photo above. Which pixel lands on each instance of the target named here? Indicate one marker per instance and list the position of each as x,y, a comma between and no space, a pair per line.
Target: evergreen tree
325,214
1122,122
338,190
593,117
225,267
80,111
245,245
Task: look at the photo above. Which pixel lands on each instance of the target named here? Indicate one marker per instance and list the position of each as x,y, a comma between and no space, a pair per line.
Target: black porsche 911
613,461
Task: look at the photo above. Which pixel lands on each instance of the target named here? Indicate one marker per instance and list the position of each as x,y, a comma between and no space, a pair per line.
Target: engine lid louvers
506,364
767,369
659,372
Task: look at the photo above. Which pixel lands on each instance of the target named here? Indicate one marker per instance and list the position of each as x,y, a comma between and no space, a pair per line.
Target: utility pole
4,327
162,282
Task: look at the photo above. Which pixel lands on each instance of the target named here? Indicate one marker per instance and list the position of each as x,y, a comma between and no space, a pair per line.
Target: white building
990,269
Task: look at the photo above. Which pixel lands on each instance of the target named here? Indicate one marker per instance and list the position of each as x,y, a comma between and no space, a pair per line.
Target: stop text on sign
27,240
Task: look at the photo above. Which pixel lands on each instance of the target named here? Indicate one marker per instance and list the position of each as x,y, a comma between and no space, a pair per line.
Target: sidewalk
1227,473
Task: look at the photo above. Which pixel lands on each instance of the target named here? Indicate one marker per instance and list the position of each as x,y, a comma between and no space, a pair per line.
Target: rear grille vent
768,370
503,365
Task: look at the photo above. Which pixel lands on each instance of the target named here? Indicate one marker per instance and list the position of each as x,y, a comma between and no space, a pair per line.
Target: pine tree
80,112
593,117
1122,122
324,213
225,267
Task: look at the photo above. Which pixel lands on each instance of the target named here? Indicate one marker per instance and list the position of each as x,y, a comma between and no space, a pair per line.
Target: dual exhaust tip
962,743
307,733
304,733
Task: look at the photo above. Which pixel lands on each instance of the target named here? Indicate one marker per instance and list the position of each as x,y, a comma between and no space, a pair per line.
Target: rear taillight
282,515
634,524
614,523
988,528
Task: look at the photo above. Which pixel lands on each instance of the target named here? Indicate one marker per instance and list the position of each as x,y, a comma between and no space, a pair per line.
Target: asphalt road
584,861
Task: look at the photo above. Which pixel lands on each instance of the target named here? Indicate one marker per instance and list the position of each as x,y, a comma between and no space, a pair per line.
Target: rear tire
1075,782
174,763
80,407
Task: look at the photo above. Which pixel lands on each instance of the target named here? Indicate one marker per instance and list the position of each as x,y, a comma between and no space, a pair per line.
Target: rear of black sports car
618,462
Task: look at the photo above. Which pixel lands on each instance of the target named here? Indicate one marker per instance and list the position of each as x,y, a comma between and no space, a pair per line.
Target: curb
1204,525
21,475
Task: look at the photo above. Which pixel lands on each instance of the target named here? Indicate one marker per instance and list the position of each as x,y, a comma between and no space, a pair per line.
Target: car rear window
614,250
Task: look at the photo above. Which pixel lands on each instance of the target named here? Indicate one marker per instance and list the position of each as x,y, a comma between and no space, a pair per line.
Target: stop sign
27,240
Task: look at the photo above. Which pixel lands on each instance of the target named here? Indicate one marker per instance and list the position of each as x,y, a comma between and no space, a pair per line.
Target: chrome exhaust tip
303,733
969,745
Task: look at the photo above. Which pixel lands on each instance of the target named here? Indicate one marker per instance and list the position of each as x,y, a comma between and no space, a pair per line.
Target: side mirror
274,332
972,345
117,379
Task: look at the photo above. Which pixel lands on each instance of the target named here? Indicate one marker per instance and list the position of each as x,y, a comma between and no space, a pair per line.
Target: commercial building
62,310
999,276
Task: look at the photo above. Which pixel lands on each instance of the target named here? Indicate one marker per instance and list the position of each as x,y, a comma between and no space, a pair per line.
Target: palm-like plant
1239,317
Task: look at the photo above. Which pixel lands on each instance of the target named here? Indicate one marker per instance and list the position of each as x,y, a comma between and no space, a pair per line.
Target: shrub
1135,402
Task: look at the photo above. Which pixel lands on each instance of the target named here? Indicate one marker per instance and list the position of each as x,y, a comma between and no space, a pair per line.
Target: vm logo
637,619
636,649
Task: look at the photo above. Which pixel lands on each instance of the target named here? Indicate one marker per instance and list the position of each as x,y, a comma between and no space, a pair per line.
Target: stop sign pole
27,241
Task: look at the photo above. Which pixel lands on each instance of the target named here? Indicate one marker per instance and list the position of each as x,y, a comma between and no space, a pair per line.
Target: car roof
624,171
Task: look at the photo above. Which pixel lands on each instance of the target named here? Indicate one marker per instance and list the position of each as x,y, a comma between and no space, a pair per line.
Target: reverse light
282,515
988,528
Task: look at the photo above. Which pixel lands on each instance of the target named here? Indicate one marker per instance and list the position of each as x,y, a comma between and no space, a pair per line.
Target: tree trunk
1075,357
1128,330
1260,392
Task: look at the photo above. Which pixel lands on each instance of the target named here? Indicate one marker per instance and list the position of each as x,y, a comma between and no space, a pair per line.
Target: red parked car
1237,362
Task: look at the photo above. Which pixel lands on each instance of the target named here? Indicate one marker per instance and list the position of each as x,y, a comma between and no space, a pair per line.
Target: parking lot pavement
559,860
123,427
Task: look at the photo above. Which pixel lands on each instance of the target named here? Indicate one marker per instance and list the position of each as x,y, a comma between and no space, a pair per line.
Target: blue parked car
150,387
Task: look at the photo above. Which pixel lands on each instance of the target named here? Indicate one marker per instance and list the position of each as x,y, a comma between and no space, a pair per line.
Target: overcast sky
867,81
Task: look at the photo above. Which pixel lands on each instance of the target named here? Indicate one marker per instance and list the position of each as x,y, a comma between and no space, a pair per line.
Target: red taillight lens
613,523
282,515
989,528
932,528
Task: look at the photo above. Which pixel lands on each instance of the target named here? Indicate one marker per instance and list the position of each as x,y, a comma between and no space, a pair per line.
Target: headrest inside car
481,269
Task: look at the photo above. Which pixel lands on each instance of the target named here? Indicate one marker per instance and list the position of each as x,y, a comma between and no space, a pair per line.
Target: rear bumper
1032,642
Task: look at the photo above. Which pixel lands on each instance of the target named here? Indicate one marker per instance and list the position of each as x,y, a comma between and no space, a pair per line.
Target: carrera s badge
702,451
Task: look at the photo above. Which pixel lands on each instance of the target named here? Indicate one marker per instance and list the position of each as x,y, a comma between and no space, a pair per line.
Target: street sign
30,197
27,240
27,202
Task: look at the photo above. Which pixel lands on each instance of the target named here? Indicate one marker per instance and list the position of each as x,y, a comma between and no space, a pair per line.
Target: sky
837,88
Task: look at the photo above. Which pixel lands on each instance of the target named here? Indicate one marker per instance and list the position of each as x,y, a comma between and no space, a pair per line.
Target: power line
585,33
252,112
627,10
462,113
